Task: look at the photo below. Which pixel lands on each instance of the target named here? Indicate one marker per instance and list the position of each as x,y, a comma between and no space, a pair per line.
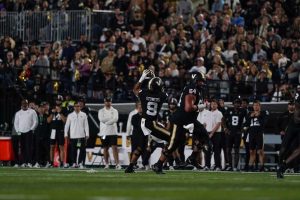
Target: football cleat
157,169
129,170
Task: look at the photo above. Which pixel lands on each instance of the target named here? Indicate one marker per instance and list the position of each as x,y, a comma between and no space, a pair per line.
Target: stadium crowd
247,48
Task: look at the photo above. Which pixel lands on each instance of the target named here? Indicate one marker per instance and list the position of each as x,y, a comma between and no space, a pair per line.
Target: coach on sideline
108,117
25,123
77,123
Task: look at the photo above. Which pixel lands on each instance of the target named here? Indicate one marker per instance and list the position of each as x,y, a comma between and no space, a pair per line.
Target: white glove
144,75
201,106
189,127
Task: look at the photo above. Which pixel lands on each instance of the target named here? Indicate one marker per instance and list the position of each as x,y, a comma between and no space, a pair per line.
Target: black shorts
256,141
109,140
59,138
233,140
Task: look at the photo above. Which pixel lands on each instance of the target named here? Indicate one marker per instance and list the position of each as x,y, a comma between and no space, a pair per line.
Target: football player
291,140
152,100
255,123
234,122
186,114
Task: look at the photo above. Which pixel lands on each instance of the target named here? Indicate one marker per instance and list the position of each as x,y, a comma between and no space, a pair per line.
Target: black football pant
247,150
233,142
157,130
140,142
290,142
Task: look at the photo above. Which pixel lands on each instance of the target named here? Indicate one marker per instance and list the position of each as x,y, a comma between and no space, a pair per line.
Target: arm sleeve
67,126
128,125
86,127
102,117
16,122
114,119
220,117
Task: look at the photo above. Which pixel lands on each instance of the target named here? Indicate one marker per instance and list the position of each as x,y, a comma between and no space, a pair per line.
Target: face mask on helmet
150,75
173,103
198,79
155,85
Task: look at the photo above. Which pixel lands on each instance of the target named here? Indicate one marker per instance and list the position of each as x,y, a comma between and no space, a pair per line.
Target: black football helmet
197,76
150,74
237,101
172,103
155,85
198,79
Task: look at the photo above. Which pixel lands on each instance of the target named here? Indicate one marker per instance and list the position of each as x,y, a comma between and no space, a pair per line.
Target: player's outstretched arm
137,86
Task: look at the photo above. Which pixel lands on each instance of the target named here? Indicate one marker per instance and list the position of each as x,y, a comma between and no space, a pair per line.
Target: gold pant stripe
172,137
161,129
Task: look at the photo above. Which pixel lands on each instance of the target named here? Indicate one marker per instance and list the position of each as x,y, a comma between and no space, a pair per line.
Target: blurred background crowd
246,48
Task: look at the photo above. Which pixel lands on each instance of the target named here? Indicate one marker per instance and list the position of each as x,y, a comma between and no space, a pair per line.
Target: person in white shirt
78,128
25,123
138,41
215,133
108,117
199,67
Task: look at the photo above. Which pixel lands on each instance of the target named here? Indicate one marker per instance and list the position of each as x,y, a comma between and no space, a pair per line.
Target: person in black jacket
285,118
290,147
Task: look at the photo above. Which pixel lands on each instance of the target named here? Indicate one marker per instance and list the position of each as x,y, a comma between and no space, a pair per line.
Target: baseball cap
107,99
200,58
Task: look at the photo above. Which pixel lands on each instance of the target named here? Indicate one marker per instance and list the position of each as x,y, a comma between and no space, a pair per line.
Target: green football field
116,185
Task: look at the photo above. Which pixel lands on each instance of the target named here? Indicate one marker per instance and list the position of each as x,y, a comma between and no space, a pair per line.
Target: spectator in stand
199,67
254,30
107,63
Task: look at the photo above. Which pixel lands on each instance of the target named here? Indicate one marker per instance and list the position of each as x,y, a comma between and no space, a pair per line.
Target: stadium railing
54,25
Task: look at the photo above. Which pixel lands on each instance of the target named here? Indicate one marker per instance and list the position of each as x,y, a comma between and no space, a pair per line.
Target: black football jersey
235,119
181,116
297,97
166,115
257,124
151,103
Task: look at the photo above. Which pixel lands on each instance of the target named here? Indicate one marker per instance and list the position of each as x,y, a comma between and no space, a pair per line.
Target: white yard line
21,196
